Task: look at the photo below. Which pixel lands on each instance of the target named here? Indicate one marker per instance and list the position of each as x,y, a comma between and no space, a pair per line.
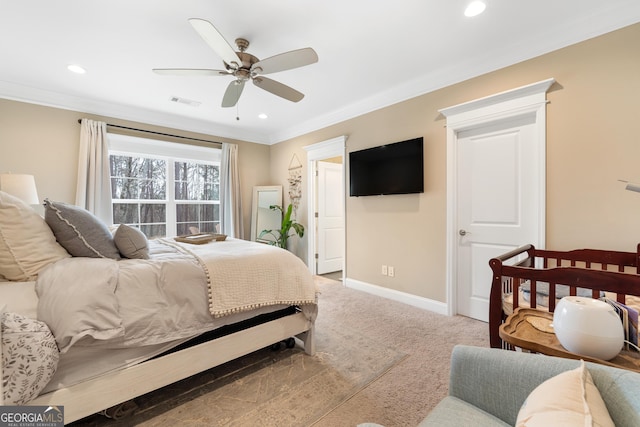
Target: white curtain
230,194
93,188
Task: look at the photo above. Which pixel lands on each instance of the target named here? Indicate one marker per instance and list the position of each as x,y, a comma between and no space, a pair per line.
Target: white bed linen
542,302
84,363
145,286
244,275
117,304
542,297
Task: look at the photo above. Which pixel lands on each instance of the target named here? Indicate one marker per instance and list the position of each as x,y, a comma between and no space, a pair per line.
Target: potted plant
282,235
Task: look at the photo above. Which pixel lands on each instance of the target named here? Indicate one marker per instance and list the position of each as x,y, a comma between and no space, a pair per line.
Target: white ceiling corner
372,54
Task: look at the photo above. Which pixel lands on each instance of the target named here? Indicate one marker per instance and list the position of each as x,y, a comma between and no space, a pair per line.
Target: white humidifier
588,327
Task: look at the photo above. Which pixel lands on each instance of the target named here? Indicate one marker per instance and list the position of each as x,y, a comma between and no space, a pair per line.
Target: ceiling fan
243,66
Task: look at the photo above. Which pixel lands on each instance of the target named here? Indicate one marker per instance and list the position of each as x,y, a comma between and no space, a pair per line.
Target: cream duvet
173,295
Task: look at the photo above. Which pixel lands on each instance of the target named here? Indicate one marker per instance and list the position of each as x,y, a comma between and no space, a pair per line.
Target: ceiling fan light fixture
475,8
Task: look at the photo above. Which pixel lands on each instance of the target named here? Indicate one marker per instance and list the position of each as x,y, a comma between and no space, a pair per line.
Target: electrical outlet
391,271
384,270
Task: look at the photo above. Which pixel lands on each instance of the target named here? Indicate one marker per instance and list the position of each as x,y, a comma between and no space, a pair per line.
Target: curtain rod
160,133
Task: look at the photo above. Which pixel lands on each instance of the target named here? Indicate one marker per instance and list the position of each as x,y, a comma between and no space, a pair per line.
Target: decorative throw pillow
568,399
29,357
80,232
131,242
27,245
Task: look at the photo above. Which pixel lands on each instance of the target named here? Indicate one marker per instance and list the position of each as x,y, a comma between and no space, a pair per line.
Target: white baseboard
403,297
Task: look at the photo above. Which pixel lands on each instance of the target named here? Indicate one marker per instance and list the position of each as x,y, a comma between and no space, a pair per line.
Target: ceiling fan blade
278,89
232,94
286,61
190,72
216,41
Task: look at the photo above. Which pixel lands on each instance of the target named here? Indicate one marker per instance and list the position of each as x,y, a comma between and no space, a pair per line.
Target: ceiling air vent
185,101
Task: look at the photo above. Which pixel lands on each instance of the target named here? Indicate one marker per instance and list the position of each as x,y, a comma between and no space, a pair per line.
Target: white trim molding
334,147
498,103
403,297
512,103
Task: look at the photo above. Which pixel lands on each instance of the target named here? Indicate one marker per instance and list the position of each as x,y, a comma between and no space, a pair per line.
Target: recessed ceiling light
76,69
262,116
475,8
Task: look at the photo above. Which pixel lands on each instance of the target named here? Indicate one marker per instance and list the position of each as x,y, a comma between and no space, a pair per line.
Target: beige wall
592,141
43,141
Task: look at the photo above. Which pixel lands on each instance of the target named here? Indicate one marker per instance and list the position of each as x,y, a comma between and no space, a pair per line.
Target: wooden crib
612,272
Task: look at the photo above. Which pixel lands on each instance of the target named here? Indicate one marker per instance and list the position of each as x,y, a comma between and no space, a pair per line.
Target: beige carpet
377,361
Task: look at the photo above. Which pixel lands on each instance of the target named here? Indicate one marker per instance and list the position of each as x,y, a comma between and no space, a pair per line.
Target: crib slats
533,294
592,269
552,296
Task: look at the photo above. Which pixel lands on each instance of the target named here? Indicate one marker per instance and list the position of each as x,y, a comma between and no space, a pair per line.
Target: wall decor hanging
295,182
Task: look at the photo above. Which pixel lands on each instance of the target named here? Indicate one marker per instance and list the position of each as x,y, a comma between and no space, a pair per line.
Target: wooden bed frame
598,270
116,387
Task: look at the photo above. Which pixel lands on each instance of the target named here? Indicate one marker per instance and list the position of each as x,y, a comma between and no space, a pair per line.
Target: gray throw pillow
131,242
80,232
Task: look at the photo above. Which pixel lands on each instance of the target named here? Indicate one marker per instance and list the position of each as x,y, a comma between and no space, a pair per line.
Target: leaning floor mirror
263,218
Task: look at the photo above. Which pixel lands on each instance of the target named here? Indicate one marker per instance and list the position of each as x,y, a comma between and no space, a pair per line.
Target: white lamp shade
588,327
21,186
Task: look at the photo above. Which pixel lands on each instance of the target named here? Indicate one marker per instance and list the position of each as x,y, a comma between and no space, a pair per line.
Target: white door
330,234
497,196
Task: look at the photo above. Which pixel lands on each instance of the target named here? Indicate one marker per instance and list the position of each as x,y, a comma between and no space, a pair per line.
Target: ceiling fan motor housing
244,72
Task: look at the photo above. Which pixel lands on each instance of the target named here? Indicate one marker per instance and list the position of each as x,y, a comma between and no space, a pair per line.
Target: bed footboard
594,269
113,388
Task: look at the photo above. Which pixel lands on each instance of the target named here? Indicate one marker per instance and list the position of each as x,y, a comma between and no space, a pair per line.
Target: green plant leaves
282,236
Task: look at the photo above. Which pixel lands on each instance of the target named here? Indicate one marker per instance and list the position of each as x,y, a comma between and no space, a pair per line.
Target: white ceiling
372,53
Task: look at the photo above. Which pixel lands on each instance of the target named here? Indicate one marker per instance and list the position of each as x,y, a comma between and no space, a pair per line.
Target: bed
550,275
130,315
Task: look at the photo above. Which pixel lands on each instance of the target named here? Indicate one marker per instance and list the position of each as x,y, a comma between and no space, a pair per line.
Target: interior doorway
329,216
326,207
496,152
498,203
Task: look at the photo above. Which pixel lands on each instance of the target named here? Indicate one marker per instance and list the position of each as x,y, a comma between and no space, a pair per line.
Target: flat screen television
396,168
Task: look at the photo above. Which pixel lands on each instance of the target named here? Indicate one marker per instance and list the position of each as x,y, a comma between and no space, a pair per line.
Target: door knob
462,232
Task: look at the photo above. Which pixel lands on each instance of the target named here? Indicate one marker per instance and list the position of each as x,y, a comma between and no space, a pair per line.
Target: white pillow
568,399
27,244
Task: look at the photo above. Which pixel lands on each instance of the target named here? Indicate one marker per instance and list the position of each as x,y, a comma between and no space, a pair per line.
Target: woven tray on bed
200,238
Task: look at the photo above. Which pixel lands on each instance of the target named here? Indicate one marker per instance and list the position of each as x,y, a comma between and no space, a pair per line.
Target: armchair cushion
453,412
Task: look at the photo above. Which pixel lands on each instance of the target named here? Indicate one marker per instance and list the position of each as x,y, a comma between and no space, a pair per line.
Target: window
165,189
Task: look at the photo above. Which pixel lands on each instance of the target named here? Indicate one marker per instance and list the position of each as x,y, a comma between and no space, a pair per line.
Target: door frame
472,114
325,191
334,147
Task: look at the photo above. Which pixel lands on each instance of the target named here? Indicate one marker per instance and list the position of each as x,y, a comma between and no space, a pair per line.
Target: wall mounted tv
396,168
